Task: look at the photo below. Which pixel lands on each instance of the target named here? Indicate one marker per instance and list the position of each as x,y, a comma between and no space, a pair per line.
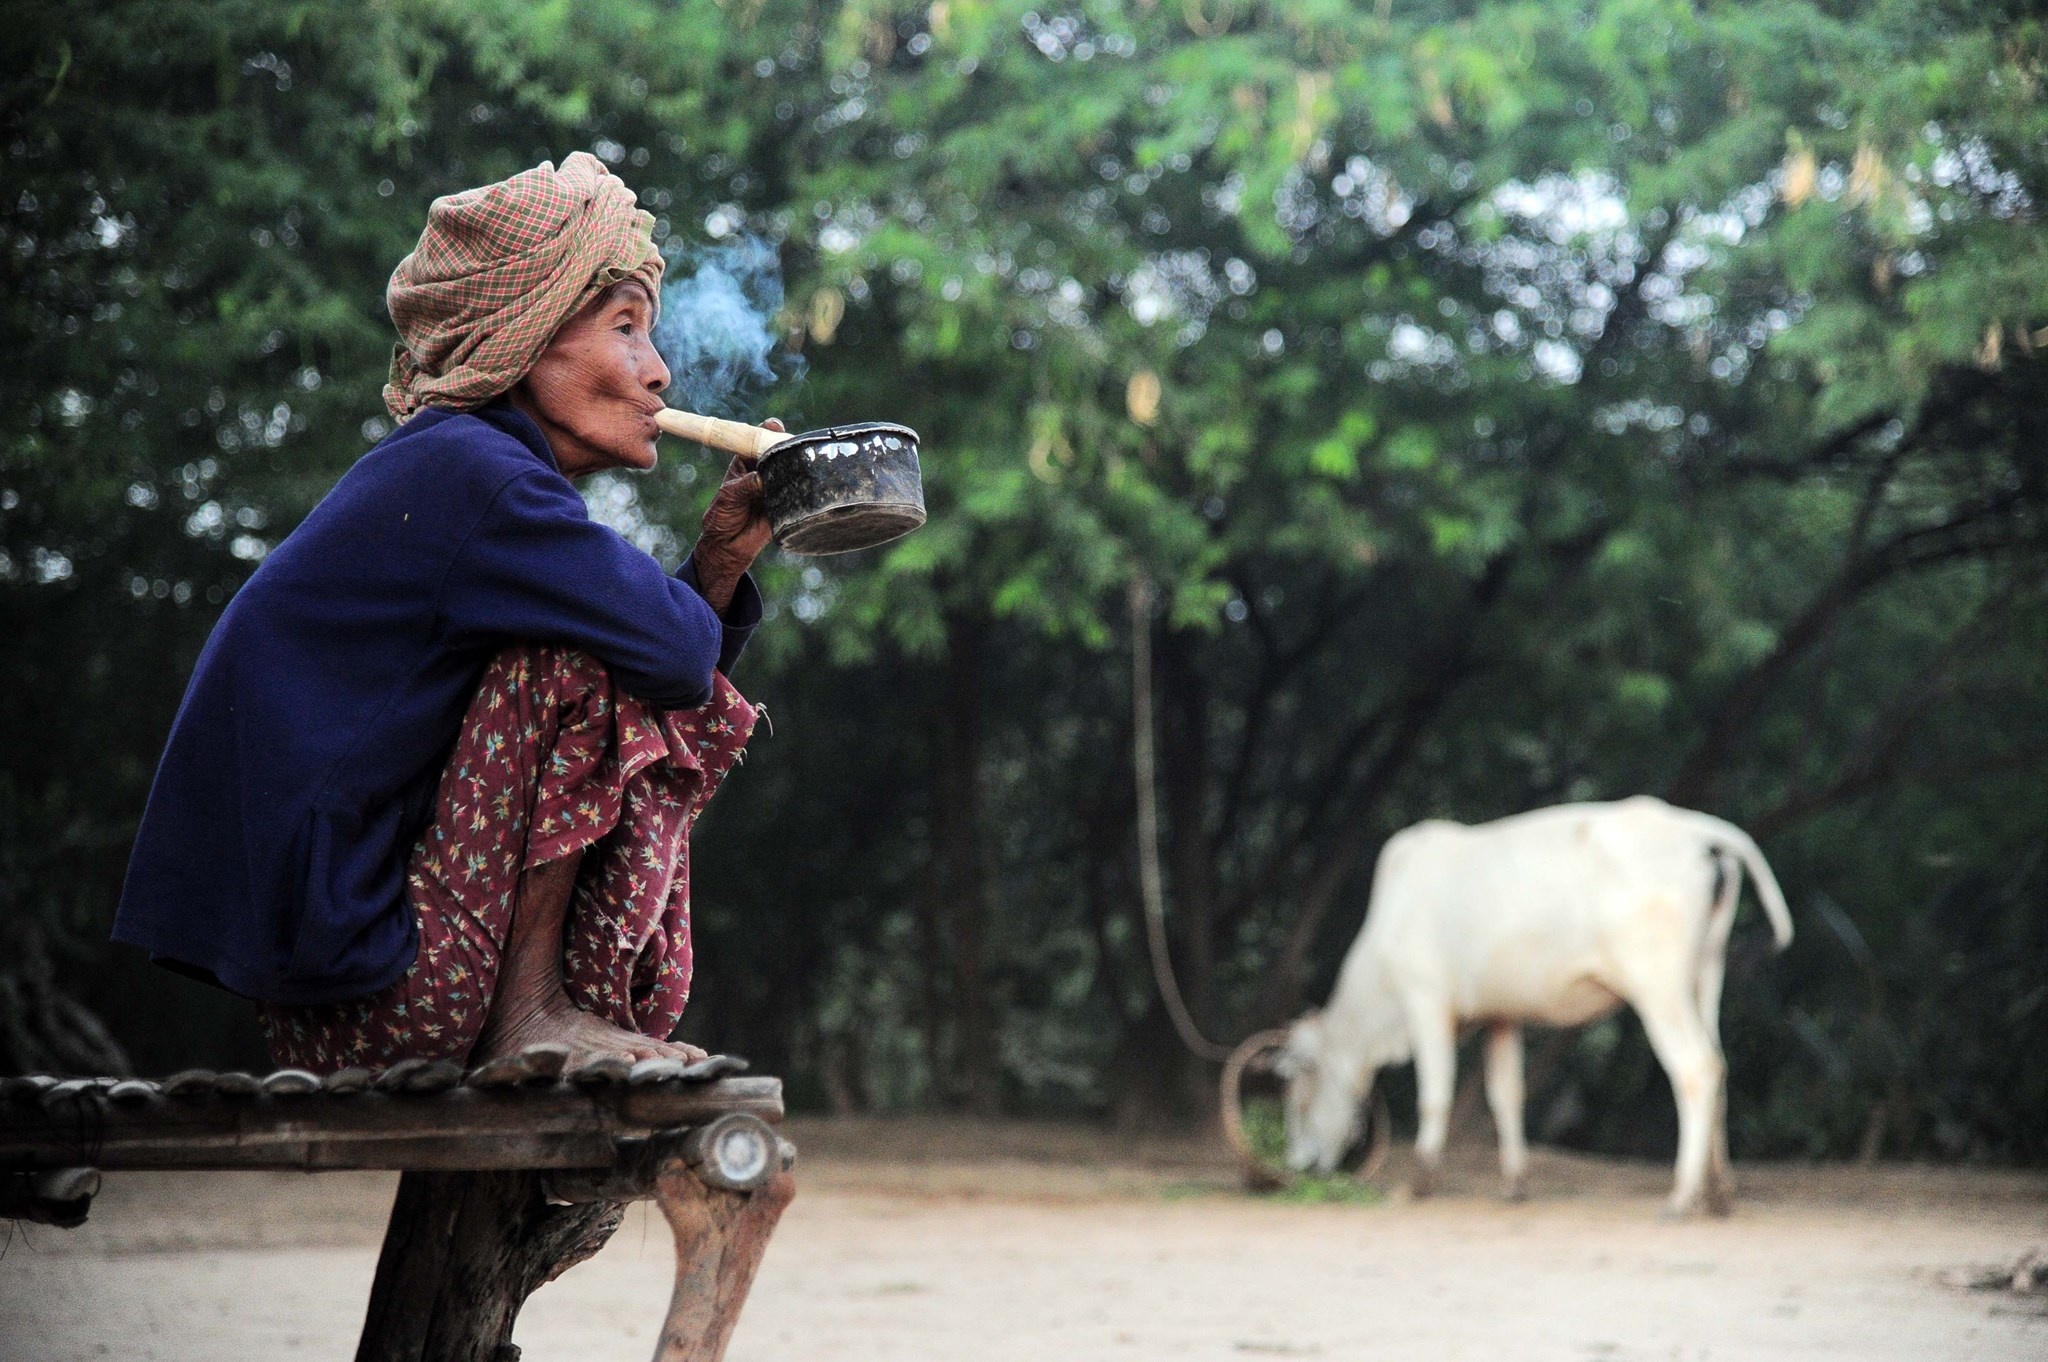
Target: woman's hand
735,529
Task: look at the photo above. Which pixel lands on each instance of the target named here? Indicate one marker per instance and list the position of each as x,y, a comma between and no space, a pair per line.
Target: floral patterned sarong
552,761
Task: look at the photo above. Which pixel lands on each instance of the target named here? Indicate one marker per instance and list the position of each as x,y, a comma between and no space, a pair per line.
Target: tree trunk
462,1253
963,887
1187,778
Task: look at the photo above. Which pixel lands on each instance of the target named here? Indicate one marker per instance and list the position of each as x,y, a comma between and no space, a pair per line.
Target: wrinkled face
1322,1106
595,389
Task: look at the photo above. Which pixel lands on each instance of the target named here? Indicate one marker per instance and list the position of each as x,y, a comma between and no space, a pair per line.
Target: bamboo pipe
734,437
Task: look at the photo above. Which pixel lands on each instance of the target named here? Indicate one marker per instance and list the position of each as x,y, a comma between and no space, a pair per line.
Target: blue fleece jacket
304,759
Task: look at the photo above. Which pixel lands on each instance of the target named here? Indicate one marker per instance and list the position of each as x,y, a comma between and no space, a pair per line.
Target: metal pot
843,488
829,491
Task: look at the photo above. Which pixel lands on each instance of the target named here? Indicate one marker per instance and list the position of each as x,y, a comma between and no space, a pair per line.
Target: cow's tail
1726,838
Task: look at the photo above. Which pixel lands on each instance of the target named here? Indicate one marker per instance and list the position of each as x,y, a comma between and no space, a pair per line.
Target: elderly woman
431,788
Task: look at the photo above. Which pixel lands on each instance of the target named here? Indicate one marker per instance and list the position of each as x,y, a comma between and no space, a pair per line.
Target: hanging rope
1145,762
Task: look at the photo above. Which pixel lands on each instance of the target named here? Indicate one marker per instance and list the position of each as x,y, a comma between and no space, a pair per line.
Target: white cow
1556,917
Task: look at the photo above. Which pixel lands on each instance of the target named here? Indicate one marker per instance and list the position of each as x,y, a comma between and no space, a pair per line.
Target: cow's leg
1504,1096
1720,1188
1694,1066
1713,970
1436,1078
1720,1185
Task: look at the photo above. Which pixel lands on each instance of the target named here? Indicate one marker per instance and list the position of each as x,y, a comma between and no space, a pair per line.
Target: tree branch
1979,529
1868,781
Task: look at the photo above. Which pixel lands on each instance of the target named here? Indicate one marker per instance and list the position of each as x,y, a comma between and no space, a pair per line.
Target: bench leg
720,1237
462,1253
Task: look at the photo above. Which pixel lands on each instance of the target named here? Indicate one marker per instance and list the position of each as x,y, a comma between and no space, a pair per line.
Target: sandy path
1007,1242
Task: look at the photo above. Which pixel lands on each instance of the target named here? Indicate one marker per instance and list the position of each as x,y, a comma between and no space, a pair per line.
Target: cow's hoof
1422,1184
1720,1200
1679,1210
1515,1189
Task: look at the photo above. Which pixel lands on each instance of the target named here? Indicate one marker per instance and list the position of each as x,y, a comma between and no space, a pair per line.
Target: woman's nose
656,370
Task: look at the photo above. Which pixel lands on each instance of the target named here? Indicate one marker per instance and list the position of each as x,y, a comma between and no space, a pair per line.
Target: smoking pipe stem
734,437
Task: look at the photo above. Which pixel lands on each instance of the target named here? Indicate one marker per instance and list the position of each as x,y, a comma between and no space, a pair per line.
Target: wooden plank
558,1126
431,1153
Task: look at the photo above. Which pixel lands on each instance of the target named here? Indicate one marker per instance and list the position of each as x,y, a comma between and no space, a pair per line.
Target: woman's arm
735,531
538,567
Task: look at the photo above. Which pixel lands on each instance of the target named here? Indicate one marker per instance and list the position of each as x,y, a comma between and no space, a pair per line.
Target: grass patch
1339,1190
1265,1126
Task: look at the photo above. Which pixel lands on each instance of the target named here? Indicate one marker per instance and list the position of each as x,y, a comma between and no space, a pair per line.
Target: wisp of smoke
714,332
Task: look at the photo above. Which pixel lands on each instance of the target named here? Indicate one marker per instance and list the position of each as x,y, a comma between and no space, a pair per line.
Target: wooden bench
512,1173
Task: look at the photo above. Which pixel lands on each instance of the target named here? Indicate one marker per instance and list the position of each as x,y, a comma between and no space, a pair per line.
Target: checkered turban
497,272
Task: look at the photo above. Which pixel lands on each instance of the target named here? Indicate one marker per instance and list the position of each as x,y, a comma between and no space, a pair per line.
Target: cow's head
1322,1103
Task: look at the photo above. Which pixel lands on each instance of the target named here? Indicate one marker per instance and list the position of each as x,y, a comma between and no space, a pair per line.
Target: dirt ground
957,1240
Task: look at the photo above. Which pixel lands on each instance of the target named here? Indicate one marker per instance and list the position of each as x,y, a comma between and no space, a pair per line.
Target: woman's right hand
735,530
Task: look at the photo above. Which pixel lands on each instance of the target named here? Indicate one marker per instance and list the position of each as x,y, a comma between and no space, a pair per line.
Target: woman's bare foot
530,1006
512,1028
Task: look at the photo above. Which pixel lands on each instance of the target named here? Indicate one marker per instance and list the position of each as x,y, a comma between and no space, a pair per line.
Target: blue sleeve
741,617
538,567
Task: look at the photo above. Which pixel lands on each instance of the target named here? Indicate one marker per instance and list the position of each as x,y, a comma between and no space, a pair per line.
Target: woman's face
595,389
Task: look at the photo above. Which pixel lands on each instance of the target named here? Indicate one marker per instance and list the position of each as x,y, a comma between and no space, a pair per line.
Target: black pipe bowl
843,488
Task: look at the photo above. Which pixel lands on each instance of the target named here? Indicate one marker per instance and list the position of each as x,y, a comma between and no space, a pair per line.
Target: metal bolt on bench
513,1172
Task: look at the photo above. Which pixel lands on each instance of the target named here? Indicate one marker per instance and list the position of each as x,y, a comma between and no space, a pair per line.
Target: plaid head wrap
497,272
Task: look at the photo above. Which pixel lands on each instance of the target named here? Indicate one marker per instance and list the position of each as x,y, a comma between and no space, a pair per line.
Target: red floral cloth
552,761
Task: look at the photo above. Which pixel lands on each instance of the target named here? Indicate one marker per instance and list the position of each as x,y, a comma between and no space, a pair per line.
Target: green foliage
1511,402
1265,1127
1330,1191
